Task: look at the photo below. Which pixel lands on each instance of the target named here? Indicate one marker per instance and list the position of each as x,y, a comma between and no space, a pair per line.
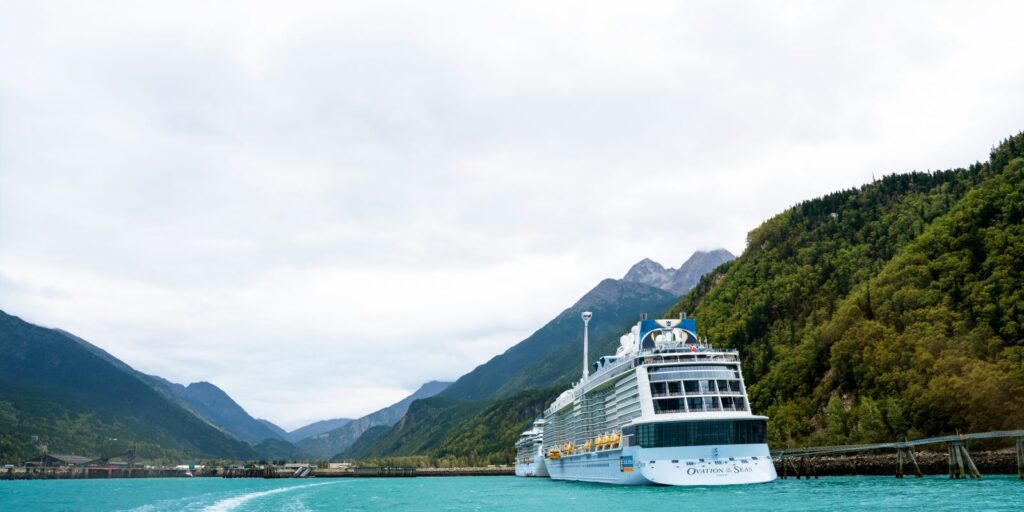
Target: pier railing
960,463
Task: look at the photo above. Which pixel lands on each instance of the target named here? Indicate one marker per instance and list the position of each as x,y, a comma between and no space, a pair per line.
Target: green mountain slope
214,404
940,328
858,314
545,358
280,432
76,400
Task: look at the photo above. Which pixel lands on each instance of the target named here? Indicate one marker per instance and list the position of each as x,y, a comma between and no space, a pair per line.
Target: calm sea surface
507,493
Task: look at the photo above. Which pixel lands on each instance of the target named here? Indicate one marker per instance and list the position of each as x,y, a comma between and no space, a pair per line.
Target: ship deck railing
730,355
710,409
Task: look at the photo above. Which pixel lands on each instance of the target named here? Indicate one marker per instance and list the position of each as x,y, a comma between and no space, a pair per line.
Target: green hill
889,310
75,398
277,449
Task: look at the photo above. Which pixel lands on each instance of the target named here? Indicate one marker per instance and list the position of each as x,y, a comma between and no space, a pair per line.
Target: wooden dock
65,473
959,459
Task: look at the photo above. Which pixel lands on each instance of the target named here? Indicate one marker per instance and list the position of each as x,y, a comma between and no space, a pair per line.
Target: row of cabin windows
695,387
697,433
699,404
703,374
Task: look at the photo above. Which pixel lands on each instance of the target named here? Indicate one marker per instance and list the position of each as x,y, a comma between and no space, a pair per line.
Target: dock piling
913,460
903,456
960,463
970,462
1020,458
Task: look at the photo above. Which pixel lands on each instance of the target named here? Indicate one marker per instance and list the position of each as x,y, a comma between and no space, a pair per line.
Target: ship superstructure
667,408
530,451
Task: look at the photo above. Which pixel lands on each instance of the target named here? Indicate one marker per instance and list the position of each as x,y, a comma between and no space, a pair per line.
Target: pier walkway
960,463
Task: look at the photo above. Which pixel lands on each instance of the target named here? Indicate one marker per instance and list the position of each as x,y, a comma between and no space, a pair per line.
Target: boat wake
232,503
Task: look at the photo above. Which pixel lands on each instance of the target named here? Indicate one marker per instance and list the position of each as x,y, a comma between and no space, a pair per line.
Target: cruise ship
530,451
666,409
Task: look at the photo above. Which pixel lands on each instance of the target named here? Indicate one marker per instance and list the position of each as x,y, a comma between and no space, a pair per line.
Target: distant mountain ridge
75,397
314,429
681,280
327,444
200,407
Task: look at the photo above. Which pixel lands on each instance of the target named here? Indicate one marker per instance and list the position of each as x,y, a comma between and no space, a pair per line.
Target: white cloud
369,195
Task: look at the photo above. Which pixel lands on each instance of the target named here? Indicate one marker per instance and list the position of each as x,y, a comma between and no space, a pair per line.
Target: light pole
586,321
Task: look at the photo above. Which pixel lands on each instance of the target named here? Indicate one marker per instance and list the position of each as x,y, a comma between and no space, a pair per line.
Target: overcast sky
320,207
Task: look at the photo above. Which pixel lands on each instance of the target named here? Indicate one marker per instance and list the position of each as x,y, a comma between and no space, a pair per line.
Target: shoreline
998,462
22,473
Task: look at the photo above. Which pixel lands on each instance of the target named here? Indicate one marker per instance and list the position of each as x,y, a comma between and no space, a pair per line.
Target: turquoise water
506,493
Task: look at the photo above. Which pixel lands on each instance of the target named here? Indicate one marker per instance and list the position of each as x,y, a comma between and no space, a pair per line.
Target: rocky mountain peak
681,280
648,272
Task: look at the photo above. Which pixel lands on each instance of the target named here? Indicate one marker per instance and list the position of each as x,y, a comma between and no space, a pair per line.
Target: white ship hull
682,466
534,469
604,467
530,452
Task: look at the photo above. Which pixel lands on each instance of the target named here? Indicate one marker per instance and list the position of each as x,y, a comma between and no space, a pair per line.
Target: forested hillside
887,311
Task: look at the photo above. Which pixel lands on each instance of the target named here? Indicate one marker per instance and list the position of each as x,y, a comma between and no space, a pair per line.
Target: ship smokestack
586,321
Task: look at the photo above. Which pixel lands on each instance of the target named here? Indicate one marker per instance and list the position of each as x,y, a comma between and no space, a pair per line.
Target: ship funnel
586,321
